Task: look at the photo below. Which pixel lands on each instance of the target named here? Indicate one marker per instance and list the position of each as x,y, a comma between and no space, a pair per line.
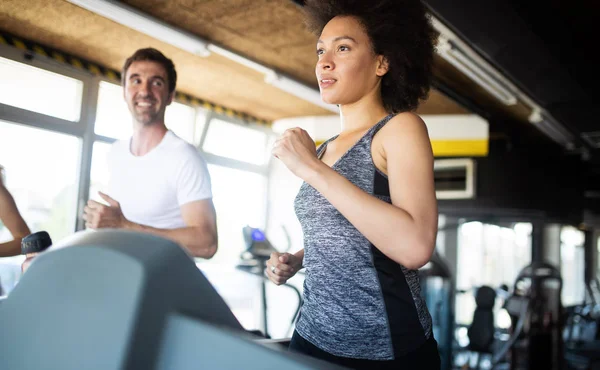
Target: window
99,175
112,116
234,141
572,265
181,119
489,255
40,91
239,198
42,173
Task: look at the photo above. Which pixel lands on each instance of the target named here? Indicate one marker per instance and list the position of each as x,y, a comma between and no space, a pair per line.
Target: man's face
146,92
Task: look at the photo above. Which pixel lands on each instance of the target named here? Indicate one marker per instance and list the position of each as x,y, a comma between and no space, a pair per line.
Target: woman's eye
320,51
343,48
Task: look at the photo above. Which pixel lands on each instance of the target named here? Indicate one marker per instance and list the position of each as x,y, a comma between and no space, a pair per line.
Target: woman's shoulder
404,127
405,121
404,136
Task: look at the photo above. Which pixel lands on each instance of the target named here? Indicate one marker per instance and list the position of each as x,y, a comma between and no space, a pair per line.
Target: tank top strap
366,139
321,148
373,130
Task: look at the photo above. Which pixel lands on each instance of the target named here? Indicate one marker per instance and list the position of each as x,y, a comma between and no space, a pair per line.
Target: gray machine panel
195,344
117,299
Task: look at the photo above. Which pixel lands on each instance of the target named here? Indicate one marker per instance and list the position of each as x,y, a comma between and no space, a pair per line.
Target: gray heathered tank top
358,303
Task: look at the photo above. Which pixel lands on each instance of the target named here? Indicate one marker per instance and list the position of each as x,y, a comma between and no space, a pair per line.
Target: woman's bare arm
10,216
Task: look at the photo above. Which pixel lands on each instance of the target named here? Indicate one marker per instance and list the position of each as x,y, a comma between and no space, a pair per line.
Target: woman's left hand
297,150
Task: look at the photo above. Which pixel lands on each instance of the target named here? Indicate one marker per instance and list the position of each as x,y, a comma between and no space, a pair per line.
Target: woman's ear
382,66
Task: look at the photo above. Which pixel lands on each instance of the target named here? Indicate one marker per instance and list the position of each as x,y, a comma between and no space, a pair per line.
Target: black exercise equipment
581,333
254,259
536,312
482,329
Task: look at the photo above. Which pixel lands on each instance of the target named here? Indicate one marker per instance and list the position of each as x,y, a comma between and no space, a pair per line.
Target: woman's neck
362,114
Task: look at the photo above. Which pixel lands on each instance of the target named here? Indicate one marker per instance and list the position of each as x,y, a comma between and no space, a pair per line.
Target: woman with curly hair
367,205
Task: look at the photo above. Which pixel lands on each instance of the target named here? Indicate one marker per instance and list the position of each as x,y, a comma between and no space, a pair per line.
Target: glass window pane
99,172
239,198
41,91
489,255
112,116
572,265
180,119
41,173
234,141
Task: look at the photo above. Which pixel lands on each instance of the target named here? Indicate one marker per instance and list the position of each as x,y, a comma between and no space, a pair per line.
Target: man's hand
98,215
282,266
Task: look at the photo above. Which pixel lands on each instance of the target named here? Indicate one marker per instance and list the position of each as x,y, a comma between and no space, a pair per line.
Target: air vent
454,178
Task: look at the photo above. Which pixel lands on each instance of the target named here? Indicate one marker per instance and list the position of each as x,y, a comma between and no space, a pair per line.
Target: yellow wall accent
454,148
460,148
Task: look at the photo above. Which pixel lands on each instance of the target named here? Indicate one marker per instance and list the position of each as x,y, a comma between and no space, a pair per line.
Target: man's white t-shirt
152,188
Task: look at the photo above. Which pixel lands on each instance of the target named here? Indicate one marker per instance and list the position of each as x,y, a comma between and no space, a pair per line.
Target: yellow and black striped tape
115,76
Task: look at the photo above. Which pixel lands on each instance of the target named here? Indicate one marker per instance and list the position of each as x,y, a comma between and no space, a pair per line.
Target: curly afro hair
401,31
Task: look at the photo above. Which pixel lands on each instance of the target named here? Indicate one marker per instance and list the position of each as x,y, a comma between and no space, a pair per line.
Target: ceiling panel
271,32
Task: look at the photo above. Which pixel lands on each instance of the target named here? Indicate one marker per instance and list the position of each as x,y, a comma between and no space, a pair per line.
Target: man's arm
199,237
10,216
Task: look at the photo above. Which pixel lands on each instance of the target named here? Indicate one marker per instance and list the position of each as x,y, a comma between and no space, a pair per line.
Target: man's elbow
207,250
210,251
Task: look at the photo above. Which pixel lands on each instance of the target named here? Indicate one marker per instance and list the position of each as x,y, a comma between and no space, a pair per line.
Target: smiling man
158,182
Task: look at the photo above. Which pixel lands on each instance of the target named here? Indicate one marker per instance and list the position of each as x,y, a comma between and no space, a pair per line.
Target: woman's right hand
282,266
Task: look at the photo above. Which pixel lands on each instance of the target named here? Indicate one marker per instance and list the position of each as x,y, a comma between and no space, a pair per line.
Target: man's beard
147,119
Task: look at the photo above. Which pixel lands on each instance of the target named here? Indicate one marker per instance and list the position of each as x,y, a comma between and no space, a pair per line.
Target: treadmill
115,299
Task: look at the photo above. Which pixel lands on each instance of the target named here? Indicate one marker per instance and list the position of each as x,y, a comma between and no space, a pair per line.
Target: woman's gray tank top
358,303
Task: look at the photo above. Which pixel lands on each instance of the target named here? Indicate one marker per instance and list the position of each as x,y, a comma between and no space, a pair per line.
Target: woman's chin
327,99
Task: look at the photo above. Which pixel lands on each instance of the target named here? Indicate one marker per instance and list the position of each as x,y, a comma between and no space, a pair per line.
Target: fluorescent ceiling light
130,17
457,52
551,128
474,71
134,19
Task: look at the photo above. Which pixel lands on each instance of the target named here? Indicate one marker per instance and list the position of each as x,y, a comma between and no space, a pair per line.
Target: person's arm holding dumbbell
10,216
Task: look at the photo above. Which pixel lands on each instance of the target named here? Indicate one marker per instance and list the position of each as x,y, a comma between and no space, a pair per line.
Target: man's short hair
153,55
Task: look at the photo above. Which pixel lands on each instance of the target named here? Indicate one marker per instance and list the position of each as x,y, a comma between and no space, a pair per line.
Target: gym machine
115,299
